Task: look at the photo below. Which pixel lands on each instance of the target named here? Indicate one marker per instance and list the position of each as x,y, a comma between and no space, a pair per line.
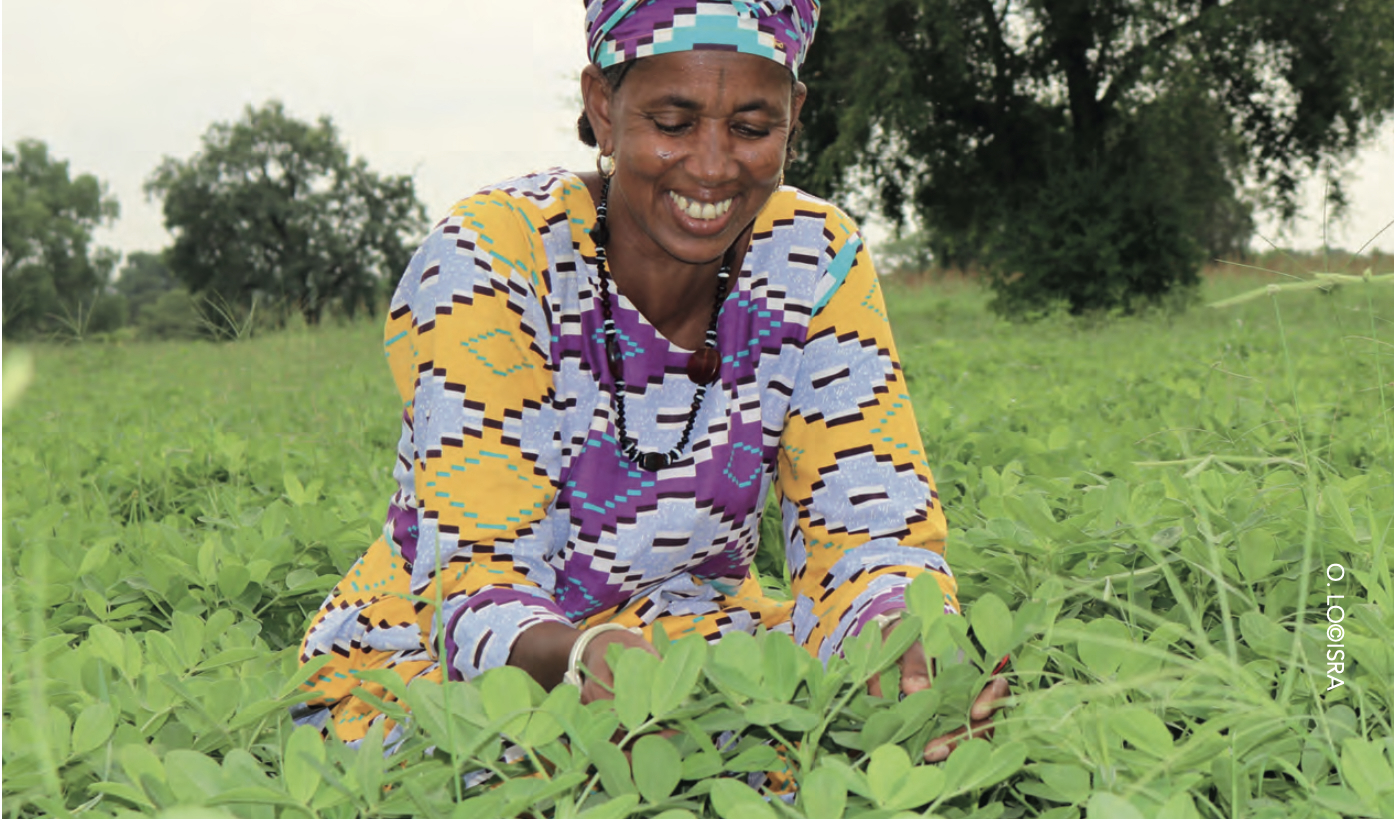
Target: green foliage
1090,152
1142,514
143,280
53,277
273,207
173,314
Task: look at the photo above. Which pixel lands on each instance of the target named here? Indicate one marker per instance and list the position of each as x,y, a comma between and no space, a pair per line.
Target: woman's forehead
708,79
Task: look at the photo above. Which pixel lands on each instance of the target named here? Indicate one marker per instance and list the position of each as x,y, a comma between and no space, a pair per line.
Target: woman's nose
712,161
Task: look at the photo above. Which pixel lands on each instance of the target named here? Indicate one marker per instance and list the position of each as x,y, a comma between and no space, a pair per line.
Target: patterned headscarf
621,30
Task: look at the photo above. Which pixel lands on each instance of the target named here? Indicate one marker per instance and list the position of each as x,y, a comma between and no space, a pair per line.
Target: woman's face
698,139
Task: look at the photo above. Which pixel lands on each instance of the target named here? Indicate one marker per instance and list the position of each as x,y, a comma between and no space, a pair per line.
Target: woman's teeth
700,210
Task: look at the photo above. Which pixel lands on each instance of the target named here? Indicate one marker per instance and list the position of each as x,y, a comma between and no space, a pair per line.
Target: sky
459,93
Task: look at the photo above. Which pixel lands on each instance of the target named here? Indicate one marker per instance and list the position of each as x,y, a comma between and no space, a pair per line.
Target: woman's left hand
915,676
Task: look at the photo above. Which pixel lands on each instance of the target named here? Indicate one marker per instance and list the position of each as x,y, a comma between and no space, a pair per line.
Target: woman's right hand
599,684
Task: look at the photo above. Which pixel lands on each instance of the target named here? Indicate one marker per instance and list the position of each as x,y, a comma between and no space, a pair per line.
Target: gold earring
606,168
781,180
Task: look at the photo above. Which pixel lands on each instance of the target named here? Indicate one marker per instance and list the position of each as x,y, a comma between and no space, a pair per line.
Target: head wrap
618,31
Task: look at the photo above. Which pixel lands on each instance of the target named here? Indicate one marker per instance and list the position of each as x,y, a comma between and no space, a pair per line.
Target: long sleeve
467,342
861,515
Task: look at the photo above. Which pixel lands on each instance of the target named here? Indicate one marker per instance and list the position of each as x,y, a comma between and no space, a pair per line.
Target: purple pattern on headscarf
618,31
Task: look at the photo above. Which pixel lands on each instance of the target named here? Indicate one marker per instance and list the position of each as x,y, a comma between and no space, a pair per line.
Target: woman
604,372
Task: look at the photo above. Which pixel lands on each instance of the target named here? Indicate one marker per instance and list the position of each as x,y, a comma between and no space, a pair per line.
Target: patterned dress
513,493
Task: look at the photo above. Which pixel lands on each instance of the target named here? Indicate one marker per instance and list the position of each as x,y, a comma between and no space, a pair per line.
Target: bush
173,315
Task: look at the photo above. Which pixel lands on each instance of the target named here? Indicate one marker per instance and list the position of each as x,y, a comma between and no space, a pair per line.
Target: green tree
143,279
1090,152
53,276
273,207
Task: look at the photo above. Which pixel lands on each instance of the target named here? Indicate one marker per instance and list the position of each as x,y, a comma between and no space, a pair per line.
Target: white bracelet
573,662
883,621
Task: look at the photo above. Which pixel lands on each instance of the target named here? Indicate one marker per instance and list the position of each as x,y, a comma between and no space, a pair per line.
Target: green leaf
888,764
1070,782
702,765
736,800
108,645
613,768
992,625
1103,645
657,768
139,762
1179,806
295,491
1256,550
193,777
754,758
634,678
783,665
92,728
897,643
301,778
822,794
123,791
1143,729
368,764
60,732
914,711
896,784
233,580
965,766
543,725
879,729
617,808
1112,806
1364,769
790,717
507,690
736,665
96,557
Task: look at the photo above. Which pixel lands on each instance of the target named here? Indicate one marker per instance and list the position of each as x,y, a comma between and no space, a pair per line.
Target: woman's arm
861,515
467,343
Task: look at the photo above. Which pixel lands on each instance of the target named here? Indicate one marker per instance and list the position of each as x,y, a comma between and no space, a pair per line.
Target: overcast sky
459,92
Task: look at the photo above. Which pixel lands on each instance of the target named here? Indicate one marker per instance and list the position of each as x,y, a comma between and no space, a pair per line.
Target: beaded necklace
702,366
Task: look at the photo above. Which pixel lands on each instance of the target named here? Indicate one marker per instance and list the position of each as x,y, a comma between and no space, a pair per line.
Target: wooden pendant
703,365
615,359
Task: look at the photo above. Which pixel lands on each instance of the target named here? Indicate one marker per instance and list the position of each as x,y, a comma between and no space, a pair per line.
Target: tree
143,280
53,276
1090,152
274,207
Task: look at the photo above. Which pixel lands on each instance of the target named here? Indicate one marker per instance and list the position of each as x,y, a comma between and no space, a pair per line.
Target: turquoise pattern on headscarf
618,31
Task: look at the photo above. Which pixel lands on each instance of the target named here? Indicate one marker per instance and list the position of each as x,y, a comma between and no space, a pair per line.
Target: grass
1156,501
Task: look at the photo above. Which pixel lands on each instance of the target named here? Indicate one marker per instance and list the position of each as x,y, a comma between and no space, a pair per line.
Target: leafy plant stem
38,701
1304,579
444,660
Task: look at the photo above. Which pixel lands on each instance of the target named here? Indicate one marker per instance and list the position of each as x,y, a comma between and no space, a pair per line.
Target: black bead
653,461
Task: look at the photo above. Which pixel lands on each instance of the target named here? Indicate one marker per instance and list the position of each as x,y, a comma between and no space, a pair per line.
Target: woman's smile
701,217
703,211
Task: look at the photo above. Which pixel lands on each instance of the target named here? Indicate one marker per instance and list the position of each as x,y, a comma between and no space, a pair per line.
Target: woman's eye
751,131
671,128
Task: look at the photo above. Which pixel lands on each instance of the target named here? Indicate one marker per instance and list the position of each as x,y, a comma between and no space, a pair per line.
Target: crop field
1178,526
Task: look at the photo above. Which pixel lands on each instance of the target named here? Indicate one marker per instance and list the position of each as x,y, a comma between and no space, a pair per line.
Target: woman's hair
615,74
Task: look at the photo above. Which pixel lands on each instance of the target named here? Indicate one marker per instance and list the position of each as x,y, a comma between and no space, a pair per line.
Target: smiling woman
604,374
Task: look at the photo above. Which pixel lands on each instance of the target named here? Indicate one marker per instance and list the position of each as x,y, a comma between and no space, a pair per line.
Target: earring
781,180
605,164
